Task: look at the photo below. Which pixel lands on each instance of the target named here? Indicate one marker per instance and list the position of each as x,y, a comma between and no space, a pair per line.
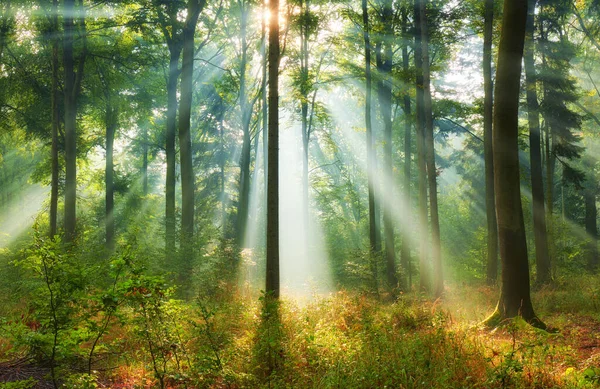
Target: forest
299,194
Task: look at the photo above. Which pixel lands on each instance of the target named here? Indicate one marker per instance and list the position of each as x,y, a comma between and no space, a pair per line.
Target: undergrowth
130,331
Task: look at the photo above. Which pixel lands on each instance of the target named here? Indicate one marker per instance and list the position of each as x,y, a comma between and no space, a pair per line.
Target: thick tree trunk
175,53
515,299
423,226
272,276
384,92
244,197
185,141
537,186
405,257
109,217
490,204
436,253
70,122
55,124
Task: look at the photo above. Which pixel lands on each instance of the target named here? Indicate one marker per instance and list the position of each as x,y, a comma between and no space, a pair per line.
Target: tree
272,277
488,107
515,298
56,120
405,255
537,187
374,237
384,59
72,89
194,8
436,251
421,160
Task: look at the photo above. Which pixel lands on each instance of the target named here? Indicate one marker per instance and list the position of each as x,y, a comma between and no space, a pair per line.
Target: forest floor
346,340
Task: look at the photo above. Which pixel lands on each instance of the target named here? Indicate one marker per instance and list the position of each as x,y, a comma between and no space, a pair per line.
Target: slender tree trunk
244,197
405,257
145,159
545,267
55,124
591,228
490,204
384,92
537,186
304,88
71,88
109,217
423,227
264,105
175,53
222,172
70,122
515,299
185,140
373,232
272,277
436,253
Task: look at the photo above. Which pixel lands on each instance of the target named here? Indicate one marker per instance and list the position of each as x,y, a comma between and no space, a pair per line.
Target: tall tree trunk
194,8
490,204
264,105
515,299
174,54
436,252
405,257
70,122
423,227
55,124
591,228
109,217
71,88
545,267
304,88
272,276
384,92
244,197
373,232
537,186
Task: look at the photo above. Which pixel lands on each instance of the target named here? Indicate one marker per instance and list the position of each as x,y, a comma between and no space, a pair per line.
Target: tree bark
405,257
55,124
490,204
436,254
244,197
424,272
373,233
272,276
174,54
537,186
72,84
384,92
515,299
194,7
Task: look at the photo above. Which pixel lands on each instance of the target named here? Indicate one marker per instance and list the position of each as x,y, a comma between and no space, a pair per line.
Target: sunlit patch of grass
351,340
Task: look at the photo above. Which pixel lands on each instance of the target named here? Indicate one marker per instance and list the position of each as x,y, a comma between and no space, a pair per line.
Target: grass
349,340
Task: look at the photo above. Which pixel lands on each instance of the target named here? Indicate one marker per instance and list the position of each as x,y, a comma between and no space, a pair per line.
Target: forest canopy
299,193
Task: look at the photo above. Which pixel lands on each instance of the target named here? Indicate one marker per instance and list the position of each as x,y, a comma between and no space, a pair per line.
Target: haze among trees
299,194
